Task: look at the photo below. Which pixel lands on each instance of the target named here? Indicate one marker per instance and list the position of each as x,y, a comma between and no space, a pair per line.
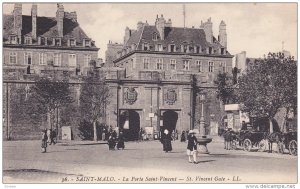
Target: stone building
36,46
163,68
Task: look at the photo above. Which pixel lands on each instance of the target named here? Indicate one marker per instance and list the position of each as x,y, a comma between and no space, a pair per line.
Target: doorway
170,118
130,125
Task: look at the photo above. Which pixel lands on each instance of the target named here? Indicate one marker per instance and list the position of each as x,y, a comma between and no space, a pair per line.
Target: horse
275,137
229,137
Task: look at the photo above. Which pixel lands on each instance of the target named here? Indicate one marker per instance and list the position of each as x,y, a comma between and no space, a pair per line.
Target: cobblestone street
144,162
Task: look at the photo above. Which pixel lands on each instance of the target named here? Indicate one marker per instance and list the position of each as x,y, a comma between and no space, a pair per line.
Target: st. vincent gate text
123,179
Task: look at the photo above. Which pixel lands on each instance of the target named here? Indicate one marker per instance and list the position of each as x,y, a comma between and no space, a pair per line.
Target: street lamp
201,137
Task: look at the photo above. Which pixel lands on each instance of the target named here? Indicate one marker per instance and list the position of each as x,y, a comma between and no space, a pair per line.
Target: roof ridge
140,36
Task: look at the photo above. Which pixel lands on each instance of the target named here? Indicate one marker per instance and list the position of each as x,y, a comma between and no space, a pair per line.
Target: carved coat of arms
130,95
170,96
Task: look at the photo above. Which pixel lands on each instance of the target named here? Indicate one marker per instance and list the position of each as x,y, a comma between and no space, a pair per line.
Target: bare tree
94,97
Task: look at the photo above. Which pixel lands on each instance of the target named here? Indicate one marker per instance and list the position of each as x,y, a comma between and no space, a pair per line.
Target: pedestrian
112,140
192,147
166,139
244,126
121,140
48,135
52,137
103,133
44,141
182,137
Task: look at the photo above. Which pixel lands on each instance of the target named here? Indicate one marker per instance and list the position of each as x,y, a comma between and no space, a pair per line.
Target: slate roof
173,35
46,27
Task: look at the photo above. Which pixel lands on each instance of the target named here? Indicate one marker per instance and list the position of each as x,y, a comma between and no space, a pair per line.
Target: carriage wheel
247,145
262,146
293,147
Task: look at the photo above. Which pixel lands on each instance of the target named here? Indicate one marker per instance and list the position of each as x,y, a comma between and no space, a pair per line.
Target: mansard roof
46,27
173,35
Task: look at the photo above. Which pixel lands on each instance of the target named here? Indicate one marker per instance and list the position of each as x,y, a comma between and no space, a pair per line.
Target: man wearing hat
192,147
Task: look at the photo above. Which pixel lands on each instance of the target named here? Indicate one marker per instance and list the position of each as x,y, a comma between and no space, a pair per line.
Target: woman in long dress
167,145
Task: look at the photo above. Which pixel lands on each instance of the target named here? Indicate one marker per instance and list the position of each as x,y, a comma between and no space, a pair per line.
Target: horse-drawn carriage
289,141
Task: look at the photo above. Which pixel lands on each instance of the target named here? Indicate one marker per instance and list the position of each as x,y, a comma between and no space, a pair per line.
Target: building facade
164,68
36,46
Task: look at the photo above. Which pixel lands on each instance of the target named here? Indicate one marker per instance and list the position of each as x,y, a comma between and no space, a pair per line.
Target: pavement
141,162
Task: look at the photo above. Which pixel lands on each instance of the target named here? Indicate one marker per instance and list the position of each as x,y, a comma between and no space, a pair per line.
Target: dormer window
56,42
146,47
154,37
42,40
159,47
222,51
210,50
86,42
13,39
185,48
27,40
172,48
197,49
72,42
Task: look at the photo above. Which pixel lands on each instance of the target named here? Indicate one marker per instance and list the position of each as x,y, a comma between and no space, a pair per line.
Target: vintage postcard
201,93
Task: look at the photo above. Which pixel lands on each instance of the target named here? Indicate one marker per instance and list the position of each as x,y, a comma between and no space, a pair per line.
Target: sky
257,28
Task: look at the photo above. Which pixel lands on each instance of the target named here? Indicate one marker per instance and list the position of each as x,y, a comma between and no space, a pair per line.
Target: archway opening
130,125
170,118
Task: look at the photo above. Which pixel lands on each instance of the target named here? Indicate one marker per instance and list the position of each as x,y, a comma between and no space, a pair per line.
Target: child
192,147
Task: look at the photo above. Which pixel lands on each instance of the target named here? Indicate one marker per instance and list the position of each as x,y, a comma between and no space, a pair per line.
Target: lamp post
201,137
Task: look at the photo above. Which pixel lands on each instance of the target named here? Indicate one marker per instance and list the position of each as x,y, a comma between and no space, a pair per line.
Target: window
211,67
197,49
27,40
154,37
186,65
210,50
87,58
159,47
172,48
185,48
159,64
28,58
72,60
173,64
146,63
43,41
222,51
72,43
86,43
146,47
13,39
42,58
199,65
13,58
57,42
57,59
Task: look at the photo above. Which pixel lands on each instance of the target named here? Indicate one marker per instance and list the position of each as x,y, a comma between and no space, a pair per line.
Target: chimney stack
223,34
34,21
18,20
60,13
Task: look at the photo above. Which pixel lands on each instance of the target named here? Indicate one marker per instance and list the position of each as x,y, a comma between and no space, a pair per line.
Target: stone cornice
172,53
